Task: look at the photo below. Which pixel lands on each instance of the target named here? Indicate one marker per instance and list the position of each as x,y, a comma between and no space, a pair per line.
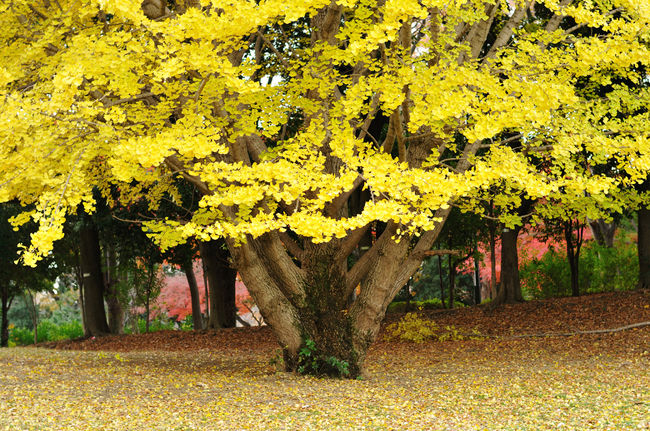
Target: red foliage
529,247
174,299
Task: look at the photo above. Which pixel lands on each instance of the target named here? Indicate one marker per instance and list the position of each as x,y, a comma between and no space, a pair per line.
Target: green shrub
159,323
21,336
601,269
47,331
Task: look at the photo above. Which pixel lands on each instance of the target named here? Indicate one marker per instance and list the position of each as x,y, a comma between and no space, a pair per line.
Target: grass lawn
227,380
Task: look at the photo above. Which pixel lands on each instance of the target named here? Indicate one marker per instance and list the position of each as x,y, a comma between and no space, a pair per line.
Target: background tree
17,280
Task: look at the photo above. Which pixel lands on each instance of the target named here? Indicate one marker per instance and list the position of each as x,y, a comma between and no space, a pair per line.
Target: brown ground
558,315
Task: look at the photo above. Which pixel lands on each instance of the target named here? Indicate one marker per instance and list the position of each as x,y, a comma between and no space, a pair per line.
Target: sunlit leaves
96,96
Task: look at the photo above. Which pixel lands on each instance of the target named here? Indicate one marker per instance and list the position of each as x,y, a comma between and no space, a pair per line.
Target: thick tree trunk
302,289
221,279
93,282
643,247
4,325
188,269
510,289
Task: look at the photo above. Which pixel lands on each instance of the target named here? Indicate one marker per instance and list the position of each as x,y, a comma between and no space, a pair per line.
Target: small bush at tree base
415,328
311,361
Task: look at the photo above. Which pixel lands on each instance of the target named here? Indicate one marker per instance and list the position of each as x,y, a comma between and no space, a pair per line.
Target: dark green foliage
311,361
47,331
602,269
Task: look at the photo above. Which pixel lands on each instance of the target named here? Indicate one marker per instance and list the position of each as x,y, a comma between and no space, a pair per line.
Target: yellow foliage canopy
265,106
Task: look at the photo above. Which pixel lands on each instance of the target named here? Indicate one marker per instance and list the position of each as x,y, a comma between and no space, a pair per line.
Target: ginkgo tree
407,100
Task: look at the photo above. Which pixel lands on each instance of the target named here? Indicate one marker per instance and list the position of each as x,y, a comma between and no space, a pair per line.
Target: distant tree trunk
33,312
492,227
188,269
493,261
603,232
643,247
115,309
206,290
221,279
573,245
151,275
93,282
452,280
4,326
477,282
80,282
442,285
510,289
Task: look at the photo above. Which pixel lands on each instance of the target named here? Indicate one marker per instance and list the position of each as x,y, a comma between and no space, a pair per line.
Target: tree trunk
115,309
510,289
603,232
493,261
573,245
188,269
302,288
452,280
221,279
206,290
33,313
477,282
93,282
151,276
442,285
4,326
643,247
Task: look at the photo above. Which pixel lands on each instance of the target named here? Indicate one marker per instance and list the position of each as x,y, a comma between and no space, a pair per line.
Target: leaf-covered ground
227,380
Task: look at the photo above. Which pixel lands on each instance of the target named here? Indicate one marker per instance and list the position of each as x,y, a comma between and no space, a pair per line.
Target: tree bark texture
197,320
493,260
115,308
221,281
643,247
452,281
603,232
510,288
4,325
93,282
442,285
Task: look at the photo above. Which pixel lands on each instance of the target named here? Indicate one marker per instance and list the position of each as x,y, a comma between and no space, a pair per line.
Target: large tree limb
177,166
506,32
